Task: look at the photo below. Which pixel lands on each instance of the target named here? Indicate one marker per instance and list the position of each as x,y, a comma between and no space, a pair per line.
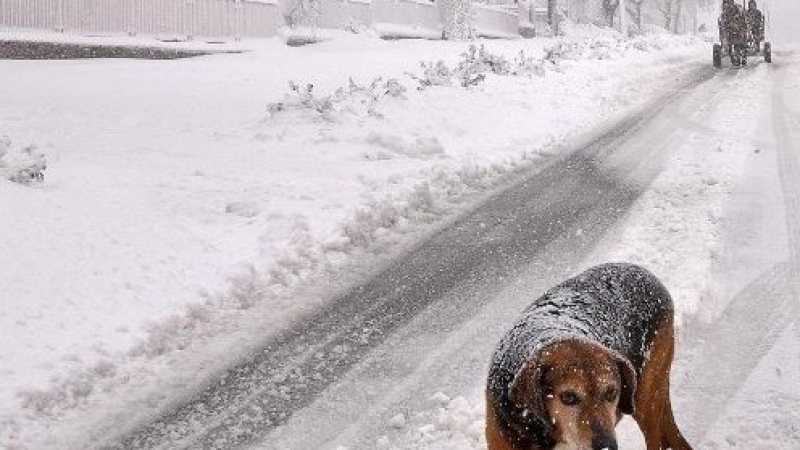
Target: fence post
191,5
130,22
60,17
229,11
239,20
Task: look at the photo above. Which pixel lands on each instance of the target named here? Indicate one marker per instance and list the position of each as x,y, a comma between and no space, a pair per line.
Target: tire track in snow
789,171
732,347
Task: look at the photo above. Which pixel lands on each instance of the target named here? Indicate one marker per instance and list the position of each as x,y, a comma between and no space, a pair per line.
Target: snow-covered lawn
178,218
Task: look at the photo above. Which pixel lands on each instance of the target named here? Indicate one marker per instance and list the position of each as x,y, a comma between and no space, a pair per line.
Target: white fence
163,18
234,18
344,13
496,21
412,13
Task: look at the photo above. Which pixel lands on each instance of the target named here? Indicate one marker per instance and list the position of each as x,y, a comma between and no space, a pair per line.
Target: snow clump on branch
24,165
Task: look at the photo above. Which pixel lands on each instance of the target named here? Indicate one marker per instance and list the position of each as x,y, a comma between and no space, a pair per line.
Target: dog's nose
604,441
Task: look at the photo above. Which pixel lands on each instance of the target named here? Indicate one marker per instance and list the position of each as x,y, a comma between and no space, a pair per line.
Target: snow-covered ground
715,226
180,222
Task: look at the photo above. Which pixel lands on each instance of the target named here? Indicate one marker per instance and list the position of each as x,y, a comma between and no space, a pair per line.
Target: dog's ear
527,390
627,376
526,394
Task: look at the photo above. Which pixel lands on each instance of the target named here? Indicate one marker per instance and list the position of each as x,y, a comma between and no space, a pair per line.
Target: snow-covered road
472,278
744,373
166,188
737,378
549,219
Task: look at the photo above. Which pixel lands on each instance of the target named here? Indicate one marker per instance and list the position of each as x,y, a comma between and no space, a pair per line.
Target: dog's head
580,390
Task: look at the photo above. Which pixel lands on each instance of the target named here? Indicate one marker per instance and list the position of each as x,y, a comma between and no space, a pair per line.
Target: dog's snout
604,441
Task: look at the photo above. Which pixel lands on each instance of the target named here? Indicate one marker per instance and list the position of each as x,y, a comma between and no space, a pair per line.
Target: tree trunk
552,15
610,10
665,6
638,16
678,15
635,12
459,19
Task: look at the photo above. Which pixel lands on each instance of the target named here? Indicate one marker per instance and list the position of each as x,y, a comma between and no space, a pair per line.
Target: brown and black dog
591,349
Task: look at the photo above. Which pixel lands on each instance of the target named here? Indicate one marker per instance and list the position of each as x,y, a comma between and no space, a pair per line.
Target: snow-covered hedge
475,64
24,165
355,98
472,69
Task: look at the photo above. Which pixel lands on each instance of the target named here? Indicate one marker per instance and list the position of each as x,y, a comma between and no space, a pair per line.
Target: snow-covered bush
300,36
528,65
357,27
23,166
363,100
435,73
373,92
477,62
470,71
301,98
562,50
602,50
596,49
356,99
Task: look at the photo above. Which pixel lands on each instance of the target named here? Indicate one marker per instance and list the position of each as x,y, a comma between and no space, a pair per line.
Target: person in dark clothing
755,25
733,32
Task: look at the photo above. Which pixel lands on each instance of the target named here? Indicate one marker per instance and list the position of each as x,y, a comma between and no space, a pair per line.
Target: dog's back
617,305
604,337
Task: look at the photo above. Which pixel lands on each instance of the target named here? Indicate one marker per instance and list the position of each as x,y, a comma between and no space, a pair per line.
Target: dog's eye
569,398
610,394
